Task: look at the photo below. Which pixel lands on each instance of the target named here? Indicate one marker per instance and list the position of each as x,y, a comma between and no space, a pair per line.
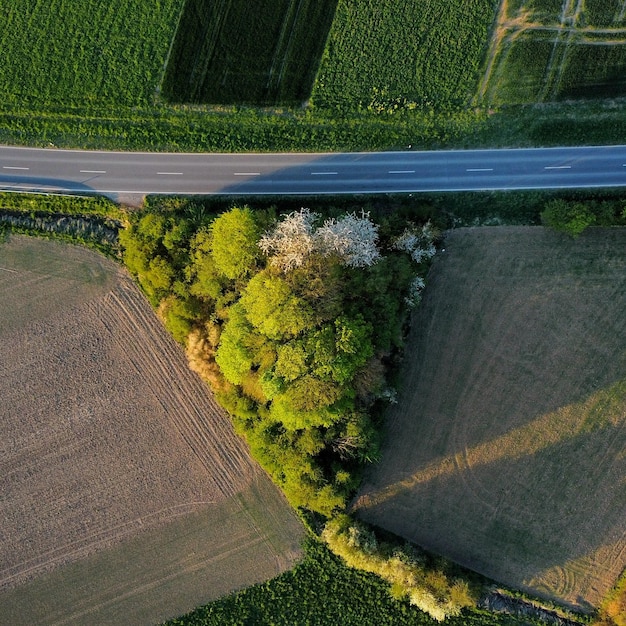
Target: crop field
380,54
550,50
233,51
84,52
505,451
125,491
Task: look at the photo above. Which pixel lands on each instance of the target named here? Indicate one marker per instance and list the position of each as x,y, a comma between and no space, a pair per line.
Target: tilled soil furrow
203,425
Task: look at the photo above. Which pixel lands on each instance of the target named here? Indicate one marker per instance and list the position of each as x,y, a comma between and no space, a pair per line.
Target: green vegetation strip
323,591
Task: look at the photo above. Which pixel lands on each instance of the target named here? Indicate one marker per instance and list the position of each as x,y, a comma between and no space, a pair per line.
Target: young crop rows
546,50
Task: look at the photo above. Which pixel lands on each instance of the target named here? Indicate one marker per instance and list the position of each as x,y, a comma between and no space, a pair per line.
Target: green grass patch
235,52
397,52
81,52
66,205
546,11
521,73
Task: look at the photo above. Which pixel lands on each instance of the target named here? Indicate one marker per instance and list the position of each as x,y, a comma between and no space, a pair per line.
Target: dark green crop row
234,52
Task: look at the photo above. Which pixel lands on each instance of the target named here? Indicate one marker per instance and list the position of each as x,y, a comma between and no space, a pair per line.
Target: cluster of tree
574,217
434,590
292,322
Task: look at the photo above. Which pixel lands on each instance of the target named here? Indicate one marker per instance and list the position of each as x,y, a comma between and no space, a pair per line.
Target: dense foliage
613,609
296,352
323,591
574,217
388,55
432,589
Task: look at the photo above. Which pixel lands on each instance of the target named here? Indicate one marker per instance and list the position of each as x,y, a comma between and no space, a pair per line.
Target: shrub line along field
505,449
112,447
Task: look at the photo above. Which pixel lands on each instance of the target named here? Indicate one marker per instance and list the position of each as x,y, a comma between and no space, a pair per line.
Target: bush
567,217
431,590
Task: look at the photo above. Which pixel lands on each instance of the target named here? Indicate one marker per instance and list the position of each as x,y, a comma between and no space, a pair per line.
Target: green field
235,52
85,52
548,50
383,54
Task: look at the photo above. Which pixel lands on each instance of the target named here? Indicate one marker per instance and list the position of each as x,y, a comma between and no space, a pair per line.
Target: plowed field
505,451
117,469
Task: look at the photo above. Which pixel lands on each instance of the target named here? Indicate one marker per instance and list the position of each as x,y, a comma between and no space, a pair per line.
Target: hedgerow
322,591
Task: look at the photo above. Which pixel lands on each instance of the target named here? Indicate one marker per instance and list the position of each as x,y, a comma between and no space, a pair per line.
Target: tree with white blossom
291,242
419,243
352,238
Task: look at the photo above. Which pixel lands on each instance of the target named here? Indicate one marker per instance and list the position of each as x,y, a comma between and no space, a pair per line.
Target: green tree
235,235
273,309
571,218
234,355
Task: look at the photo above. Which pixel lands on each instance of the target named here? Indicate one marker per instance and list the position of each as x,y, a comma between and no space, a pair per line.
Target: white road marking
93,171
557,167
170,173
479,169
247,174
29,188
401,171
12,167
324,173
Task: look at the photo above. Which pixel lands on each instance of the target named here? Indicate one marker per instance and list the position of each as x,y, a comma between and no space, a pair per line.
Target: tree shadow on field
505,451
535,509
264,53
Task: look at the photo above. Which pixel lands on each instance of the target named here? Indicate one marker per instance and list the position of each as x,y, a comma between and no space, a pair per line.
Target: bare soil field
123,488
505,451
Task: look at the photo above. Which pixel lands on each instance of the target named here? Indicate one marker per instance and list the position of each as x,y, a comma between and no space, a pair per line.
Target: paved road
120,174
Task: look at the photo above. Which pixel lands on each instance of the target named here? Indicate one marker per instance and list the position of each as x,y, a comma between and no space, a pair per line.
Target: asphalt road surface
120,174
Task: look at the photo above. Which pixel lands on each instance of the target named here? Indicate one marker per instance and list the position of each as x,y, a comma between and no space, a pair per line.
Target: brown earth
505,451
111,448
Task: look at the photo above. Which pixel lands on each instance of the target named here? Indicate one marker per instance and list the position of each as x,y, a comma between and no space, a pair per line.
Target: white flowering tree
291,242
352,238
419,243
